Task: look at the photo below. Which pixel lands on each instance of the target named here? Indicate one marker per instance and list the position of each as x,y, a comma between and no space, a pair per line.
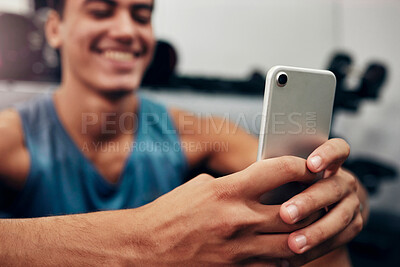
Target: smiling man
52,165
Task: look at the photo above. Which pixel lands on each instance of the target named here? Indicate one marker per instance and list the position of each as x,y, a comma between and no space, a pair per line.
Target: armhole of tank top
29,178
171,122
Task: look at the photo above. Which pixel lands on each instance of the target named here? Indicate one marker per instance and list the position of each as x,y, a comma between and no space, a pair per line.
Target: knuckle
284,249
352,180
317,235
346,147
256,166
222,191
225,228
237,253
359,224
232,254
229,225
308,201
258,220
357,204
341,142
204,177
336,189
288,165
330,147
253,170
346,217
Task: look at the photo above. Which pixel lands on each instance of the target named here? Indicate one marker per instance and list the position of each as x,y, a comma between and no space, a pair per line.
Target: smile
118,55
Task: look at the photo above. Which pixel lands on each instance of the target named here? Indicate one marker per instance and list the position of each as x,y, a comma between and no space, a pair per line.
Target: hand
338,191
211,221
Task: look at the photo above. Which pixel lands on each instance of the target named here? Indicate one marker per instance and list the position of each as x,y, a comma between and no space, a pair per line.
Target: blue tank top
62,180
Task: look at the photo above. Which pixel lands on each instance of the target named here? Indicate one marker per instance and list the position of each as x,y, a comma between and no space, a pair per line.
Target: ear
53,29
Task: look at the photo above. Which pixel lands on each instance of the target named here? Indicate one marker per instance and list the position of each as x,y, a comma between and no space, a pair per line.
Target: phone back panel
296,117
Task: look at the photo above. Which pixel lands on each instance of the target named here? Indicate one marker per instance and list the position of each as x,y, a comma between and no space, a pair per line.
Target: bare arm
14,163
205,222
84,240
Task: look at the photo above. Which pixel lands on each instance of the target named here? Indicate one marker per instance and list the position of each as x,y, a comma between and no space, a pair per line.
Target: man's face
107,44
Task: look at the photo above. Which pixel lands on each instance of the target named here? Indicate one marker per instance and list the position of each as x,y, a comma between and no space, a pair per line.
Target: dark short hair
57,5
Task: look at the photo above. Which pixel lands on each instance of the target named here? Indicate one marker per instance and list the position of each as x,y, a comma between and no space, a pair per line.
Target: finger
322,194
252,248
266,175
271,222
334,222
329,155
339,240
268,246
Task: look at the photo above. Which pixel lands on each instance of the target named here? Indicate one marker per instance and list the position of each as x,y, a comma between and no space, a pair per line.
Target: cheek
77,40
148,39
152,47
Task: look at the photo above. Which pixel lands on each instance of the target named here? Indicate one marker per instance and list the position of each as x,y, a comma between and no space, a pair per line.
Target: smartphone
296,118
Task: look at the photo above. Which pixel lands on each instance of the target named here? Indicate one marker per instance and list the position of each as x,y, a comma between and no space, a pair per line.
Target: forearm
95,239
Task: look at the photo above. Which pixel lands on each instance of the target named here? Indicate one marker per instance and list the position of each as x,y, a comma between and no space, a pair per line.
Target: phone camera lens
282,79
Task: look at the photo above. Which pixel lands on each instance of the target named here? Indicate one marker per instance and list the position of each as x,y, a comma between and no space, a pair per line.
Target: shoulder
10,130
14,159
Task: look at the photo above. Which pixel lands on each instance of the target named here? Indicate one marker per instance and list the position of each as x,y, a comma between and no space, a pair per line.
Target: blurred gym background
212,58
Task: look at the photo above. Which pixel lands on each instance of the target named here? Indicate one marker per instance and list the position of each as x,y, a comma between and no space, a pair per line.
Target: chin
118,85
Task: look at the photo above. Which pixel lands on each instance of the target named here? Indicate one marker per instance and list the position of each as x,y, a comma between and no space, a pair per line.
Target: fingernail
316,162
301,241
293,212
285,263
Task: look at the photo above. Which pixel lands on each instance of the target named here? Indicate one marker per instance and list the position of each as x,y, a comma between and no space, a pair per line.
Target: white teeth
118,55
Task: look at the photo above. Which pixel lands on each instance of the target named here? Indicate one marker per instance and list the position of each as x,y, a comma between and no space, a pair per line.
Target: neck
91,115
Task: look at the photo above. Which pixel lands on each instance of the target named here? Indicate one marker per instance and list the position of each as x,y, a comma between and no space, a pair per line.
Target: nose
123,29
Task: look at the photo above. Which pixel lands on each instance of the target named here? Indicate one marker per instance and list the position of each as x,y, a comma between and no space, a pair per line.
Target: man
50,159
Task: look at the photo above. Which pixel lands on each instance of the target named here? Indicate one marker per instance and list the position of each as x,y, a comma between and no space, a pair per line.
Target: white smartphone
296,118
